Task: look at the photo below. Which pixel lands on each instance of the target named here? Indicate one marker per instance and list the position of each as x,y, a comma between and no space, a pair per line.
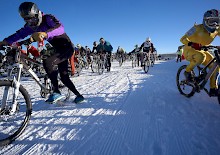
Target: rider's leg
195,58
65,77
60,58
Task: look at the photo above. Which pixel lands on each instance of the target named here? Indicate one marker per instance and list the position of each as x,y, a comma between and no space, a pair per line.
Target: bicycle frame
19,64
209,73
215,61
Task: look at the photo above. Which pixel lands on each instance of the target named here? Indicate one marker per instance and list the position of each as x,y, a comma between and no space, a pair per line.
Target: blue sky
121,22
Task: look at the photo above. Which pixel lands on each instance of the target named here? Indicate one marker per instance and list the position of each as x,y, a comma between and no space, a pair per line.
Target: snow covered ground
126,112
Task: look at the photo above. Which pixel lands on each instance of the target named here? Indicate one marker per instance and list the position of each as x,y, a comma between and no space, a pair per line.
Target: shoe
188,76
79,99
54,97
213,92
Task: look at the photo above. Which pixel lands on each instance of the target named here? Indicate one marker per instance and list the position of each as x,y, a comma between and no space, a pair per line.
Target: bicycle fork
16,85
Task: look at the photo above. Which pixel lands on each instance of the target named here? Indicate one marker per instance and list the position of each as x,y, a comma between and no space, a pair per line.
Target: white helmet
148,39
78,46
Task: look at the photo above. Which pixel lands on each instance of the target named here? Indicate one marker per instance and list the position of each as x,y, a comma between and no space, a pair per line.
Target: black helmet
28,9
31,14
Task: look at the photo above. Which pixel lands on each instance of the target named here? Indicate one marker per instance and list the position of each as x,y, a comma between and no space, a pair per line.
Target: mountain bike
200,76
97,63
15,103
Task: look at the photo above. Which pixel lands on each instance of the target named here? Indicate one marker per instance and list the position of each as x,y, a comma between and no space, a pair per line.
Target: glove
195,45
3,43
38,36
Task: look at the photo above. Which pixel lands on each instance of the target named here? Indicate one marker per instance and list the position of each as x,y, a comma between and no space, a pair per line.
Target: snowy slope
126,112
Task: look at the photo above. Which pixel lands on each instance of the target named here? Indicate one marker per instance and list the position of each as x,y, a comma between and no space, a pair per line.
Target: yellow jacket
198,34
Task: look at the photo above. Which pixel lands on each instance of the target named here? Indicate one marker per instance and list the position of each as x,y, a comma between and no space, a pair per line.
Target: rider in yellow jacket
198,36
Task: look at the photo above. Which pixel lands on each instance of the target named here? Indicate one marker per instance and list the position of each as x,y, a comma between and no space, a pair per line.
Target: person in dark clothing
106,47
136,51
148,48
45,26
94,48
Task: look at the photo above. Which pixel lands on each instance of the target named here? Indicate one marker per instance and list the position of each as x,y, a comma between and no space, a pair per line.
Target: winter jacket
106,47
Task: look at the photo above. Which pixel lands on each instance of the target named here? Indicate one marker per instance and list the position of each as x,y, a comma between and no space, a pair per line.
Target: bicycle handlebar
205,48
25,42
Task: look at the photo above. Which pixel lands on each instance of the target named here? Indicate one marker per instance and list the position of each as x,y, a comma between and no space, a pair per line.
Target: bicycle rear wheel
185,87
12,124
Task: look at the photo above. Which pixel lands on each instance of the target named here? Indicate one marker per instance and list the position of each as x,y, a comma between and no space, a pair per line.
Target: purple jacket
50,25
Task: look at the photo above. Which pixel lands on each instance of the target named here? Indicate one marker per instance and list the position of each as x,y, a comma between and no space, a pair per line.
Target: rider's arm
142,45
185,40
20,34
152,47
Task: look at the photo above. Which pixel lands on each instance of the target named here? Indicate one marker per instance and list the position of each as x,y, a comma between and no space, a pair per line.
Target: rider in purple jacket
40,27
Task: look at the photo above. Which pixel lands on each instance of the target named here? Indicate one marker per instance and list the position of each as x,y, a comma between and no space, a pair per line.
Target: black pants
179,58
60,60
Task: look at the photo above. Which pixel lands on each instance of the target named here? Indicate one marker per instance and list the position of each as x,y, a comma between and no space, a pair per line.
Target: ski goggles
213,21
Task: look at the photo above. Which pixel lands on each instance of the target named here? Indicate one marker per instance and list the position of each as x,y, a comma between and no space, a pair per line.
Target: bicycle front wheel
146,66
185,87
13,119
100,67
94,66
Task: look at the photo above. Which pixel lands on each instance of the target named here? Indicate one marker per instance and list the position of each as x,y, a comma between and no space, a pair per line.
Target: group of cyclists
42,26
146,49
86,55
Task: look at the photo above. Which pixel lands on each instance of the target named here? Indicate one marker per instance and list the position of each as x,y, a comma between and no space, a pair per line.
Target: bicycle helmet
148,39
30,13
211,20
95,43
78,46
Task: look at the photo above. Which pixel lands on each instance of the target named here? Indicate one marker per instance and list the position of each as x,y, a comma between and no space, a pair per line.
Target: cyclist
82,53
45,26
136,51
198,36
94,48
148,47
120,53
106,47
88,54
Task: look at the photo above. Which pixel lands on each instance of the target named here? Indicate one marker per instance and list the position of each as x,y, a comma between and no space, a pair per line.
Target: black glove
196,46
190,43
